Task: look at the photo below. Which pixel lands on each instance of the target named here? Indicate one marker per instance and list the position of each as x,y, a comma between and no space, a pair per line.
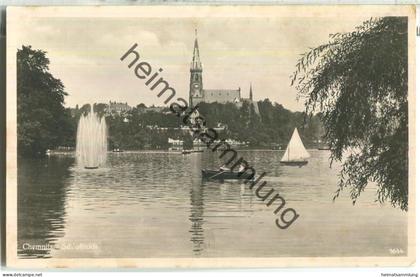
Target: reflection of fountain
91,144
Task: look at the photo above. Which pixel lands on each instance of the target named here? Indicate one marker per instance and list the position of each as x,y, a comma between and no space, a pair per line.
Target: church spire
250,91
196,63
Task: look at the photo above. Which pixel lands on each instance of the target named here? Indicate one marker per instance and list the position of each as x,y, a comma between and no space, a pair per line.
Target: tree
43,122
358,82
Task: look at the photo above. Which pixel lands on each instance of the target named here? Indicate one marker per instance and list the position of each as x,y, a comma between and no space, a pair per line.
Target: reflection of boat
294,163
184,152
91,167
295,154
224,175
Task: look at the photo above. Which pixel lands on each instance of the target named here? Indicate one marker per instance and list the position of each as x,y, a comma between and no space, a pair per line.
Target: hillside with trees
44,123
149,127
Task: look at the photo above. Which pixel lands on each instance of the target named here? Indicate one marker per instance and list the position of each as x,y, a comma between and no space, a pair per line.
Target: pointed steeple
196,63
250,91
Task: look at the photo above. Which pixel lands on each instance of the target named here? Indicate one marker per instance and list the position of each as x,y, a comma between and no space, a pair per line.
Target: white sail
295,149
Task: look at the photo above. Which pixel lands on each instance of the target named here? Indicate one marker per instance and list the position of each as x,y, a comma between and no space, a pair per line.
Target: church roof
221,90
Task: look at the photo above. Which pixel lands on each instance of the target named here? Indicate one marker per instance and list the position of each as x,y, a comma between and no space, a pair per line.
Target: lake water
154,204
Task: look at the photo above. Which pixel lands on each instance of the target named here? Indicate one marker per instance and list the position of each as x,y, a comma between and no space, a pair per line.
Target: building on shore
198,94
117,108
175,144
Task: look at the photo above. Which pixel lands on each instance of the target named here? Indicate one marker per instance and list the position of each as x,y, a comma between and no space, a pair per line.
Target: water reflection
154,205
42,191
197,206
196,218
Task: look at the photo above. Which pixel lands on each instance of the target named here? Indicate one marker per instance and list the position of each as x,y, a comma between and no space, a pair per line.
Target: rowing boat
224,175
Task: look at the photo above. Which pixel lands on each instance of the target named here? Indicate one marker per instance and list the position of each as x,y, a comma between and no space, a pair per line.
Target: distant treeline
150,128
44,123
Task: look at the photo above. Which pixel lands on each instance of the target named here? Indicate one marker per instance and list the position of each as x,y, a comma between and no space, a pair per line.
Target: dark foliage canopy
43,122
358,83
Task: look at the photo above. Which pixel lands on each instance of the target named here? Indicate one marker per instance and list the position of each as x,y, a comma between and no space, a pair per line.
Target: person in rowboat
224,167
241,168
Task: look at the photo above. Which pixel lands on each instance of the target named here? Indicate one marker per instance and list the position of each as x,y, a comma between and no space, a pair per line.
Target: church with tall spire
200,95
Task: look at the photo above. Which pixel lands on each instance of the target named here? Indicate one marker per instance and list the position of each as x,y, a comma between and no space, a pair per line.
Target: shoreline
72,152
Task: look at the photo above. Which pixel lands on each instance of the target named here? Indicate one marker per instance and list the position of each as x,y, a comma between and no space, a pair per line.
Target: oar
217,174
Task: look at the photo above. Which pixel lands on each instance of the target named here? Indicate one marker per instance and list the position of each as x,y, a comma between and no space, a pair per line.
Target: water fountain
91,145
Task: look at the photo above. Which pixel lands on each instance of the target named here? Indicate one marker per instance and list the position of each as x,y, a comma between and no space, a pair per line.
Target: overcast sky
85,53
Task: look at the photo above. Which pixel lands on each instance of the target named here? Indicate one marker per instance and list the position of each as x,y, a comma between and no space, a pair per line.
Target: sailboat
295,154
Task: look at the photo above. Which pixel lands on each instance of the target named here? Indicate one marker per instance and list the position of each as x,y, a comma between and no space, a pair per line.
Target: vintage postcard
210,136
